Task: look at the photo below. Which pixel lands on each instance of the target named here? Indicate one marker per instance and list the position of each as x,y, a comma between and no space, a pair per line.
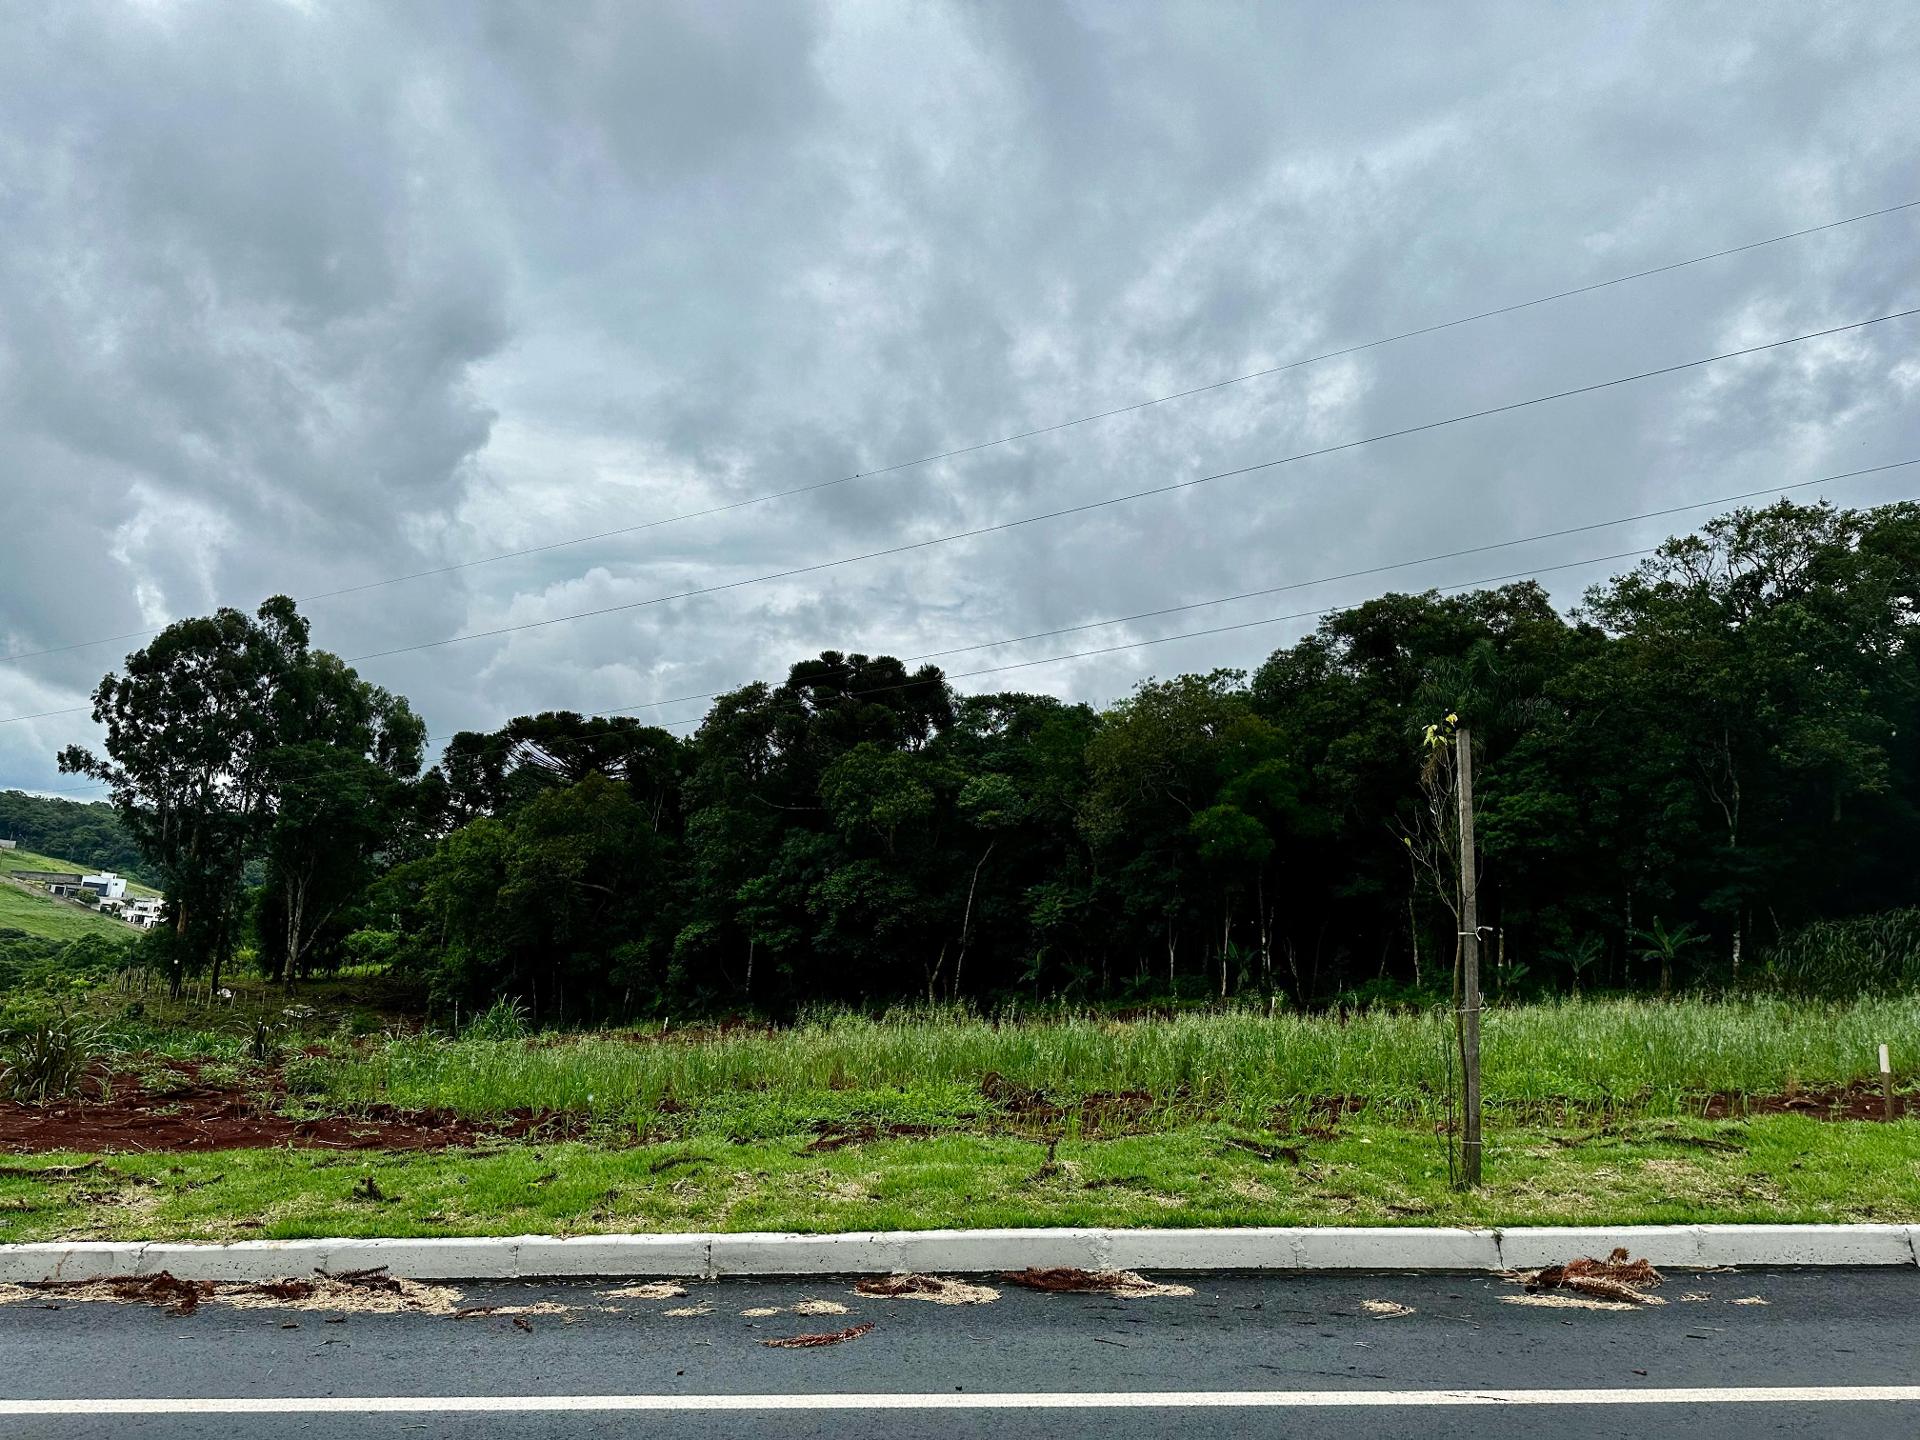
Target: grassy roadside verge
1775,1168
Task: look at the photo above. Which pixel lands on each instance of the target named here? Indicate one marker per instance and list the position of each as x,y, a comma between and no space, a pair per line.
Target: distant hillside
33,911
89,834
25,859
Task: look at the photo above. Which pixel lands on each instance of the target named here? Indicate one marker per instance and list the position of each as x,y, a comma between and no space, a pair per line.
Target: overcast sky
297,297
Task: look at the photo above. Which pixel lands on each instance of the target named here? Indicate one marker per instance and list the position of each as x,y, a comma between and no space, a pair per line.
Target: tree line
1711,752
86,834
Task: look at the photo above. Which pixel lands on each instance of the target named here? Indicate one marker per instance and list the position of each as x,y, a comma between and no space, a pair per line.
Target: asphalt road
1299,1357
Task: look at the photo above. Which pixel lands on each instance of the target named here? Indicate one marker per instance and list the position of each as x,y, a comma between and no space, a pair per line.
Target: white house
106,885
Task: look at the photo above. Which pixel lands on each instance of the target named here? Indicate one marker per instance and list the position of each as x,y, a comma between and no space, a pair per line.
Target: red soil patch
1121,1110
1859,1101
835,1137
197,1116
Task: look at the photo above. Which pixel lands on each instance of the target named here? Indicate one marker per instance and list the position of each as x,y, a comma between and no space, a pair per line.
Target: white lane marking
961,1400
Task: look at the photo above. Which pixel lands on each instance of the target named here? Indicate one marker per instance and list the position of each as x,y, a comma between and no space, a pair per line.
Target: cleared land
12,860
38,913
1610,1111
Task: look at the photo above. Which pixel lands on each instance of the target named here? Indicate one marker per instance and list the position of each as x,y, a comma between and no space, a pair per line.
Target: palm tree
1667,946
1580,956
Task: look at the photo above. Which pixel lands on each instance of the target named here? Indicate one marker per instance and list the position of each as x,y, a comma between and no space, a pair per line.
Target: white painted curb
1305,1248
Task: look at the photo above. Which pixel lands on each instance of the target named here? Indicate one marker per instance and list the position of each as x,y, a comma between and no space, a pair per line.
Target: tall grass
1627,1055
1866,955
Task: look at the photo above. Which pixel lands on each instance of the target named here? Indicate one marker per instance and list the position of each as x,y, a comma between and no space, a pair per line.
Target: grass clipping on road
357,1292
1615,1283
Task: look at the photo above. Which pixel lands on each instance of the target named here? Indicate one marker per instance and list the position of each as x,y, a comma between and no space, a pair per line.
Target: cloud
300,297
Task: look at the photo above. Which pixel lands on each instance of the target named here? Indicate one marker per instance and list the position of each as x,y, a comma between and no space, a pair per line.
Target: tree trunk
296,914
966,920
1413,940
1226,945
1264,918
933,975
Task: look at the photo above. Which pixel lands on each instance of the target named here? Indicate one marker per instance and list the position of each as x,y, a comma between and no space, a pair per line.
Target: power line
1215,629
1380,569
1037,431
1343,575
1317,613
1130,496
1407,564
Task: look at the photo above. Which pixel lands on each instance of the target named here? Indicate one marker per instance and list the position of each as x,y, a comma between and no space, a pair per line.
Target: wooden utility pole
1469,1017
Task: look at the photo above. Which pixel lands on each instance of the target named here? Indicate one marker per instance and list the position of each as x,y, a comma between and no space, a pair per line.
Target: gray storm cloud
298,297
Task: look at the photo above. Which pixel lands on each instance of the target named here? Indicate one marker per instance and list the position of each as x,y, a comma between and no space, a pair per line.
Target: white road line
1040,1400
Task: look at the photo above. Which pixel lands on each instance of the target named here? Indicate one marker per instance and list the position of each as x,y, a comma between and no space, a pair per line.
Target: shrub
263,1046
49,1059
1864,955
505,1019
307,1075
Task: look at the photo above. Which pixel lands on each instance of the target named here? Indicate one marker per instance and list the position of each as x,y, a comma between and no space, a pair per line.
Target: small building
56,882
143,910
9,844
104,886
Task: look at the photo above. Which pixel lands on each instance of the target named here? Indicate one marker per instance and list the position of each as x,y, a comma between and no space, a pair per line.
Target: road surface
1293,1356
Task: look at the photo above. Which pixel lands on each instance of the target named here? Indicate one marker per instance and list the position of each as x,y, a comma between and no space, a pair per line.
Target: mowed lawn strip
38,913
1776,1168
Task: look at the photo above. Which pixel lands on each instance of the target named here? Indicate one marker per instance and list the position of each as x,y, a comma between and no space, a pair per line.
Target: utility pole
1469,1016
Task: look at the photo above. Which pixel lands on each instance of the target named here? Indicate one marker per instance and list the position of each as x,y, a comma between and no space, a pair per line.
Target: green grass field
38,913
1781,1168
1594,1058
12,860
944,1119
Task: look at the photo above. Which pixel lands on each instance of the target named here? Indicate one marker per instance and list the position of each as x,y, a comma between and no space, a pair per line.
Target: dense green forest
86,834
1713,753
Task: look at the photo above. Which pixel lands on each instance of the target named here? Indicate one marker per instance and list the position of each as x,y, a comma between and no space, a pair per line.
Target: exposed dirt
1860,1101
835,1137
129,1115
1315,1117
1111,1110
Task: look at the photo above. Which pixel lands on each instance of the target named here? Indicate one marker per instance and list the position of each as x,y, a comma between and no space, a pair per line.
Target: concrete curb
709,1257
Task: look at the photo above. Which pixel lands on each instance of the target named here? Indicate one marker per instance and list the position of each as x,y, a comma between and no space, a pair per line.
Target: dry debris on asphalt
651,1290
1615,1283
803,1307
1386,1309
809,1342
934,1289
361,1292
1067,1280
